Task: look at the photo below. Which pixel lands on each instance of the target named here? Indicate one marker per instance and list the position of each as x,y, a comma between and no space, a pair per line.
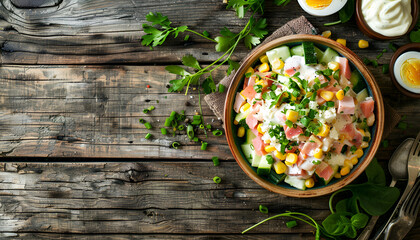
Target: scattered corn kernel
264,67
359,153
334,66
241,131
291,158
250,70
262,83
292,115
277,64
259,128
235,122
309,182
348,163
245,107
344,171
326,34
364,145
269,148
279,167
267,141
279,155
324,130
342,41
242,94
327,95
340,95
354,161
318,153
337,175
361,131
264,59
363,43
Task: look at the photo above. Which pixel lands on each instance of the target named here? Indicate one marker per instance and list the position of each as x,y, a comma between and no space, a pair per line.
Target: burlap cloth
299,25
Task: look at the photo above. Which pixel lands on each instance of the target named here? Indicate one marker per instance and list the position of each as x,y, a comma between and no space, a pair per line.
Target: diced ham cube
281,117
354,136
367,107
291,132
251,121
259,145
346,106
249,92
344,67
337,147
324,170
309,148
239,101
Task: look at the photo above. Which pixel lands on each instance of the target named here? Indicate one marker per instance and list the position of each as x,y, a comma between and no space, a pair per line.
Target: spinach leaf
347,11
375,174
415,36
359,220
336,224
351,232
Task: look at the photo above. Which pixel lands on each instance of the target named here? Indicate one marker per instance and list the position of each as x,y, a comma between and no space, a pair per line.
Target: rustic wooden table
73,79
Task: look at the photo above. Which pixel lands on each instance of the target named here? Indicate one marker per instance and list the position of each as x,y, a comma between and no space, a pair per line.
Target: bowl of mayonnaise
386,19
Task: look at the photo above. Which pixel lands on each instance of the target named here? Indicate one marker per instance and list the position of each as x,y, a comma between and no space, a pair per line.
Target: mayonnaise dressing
388,17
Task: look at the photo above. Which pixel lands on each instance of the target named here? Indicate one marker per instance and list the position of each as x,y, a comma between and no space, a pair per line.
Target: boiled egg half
322,7
407,71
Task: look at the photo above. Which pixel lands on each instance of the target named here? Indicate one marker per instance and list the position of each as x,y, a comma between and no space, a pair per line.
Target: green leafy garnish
345,13
232,66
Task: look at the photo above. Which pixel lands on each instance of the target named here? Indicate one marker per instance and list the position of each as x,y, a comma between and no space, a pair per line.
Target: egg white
334,7
397,66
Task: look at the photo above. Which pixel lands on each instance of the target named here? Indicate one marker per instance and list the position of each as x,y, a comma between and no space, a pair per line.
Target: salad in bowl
304,116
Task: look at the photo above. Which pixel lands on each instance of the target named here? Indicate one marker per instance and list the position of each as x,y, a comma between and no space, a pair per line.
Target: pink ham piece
294,148
291,132
346,106
301,158
309,148
281,117
337,147
239,101
251,121
344,67
324,171
294,170
259,146
367,107
320,100
249,92
354,136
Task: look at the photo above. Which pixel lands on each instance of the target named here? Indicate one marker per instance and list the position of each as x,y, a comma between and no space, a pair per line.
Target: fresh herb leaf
190,61
208,85
281,3
345,13
177,70
415,36
232,66
241,6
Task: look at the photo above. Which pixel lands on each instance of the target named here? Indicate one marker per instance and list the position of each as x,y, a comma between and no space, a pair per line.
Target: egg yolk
318,4
410,72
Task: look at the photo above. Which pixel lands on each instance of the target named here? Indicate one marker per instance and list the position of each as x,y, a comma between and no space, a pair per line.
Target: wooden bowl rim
364,27
401,50
357,63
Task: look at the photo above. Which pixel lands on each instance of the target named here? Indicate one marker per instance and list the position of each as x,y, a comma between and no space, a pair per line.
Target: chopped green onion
202,126
215,161
141,120
196,120
330,104
366,61
208,126
190,131
312,114
195,139
168,122
145,110
392,46
289,123
248,74
263,209
205,33
402,125
382,53
176,145
305,121
204,145
385,68
148,136
269,159
385,143
353,149
186,37
148,125
336,74
375,63
217,132
181,127
163,131
291,224
221,88
273,87
217,179
346,89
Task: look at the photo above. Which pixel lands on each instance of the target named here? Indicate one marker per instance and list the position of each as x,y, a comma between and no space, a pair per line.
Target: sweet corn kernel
333,66
340,95
235,122
309,182
242,94
292,115
326,34
318,153
364,145
348,163
259,128
277,64
344,171
241,131
359,153
324,130
337,175
342,41
262,83
361,131
264,67
250,70
269,148
264,59
354,161
245,107
327,95
291,158
363,43
267,141
279,155
279,167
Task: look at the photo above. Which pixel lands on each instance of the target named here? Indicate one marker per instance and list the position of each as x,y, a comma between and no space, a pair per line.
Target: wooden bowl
234,141
401,50
364,27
